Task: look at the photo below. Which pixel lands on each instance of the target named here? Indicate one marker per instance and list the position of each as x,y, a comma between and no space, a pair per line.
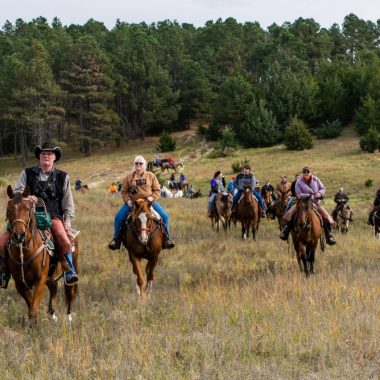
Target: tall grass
221,308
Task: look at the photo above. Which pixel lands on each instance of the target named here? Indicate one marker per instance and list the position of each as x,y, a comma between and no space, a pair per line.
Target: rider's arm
156,188
21,182
67,201
125,190
321,188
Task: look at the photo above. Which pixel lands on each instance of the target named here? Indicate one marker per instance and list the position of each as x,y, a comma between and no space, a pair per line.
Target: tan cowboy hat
48,147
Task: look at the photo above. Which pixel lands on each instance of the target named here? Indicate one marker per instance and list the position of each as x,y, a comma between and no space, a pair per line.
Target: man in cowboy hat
341,199
53,186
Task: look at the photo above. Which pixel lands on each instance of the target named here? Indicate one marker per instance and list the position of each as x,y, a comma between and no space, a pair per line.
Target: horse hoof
69,318
149,288
138,291
54,317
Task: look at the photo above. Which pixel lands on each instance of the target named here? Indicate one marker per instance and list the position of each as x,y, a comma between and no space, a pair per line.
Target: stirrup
72,280
168,242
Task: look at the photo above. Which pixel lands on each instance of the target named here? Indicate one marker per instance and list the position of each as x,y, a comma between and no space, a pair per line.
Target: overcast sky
196,12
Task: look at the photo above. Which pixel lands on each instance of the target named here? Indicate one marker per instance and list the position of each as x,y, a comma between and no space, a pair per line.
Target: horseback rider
217,184
78,184
309,185
52,185
230,186
245,178
158,160
139,184
376,203
171,162
292,197
268,187
341,199
283,187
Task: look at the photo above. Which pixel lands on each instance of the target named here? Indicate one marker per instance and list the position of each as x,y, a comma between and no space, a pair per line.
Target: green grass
220,308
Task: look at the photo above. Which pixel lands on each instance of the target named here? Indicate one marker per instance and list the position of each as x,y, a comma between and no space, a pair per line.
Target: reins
41,249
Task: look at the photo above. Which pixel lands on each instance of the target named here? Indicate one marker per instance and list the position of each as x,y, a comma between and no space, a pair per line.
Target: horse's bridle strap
35,254
19,220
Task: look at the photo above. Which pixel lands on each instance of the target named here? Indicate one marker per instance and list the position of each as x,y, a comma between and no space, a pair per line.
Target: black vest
51,191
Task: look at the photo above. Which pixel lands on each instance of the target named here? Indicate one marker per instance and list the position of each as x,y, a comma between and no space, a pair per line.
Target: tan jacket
146,184
282,188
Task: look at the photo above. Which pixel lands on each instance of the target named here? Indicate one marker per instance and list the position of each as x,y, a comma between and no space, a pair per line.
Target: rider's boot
330,240
115,243
71,278
168,242
286,231
4,273
233,213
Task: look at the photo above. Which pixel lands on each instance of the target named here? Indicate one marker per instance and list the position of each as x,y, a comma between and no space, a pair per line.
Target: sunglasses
306,172
139,163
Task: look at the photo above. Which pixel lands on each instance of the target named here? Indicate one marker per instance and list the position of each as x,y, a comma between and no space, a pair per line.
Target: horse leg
53,288
38,292
149,272
243,235
312,259
136,263
25,293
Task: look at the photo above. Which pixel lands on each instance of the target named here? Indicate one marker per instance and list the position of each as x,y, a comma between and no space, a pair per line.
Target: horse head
268,197
304,208
142,220
224,201
248,197
19,214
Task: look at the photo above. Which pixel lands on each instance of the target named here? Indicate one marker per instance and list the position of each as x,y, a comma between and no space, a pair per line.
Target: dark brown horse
221,212
306,233
174,166
281,206
376,221
247,213
143,240
29,261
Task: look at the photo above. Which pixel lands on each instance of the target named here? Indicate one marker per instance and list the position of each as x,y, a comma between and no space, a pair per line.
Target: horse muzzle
18,238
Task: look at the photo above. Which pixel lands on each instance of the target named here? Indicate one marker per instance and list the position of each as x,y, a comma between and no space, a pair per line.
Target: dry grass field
221,308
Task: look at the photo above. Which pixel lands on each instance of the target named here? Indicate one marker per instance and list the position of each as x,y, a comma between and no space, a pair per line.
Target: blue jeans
289,204
124,210
255,193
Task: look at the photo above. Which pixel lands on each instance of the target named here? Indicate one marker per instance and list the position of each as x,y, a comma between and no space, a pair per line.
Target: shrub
297,135
370,141
260,127
166,143
329,130
367,116
369,182
237,165
227,141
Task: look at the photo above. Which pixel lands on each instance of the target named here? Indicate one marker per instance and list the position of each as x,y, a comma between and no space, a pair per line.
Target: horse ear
10,192
26,192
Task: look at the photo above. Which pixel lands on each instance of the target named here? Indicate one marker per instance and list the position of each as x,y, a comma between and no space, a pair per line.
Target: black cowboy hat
48,146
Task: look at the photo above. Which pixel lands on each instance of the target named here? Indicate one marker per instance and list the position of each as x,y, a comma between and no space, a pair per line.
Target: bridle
21,245
306,225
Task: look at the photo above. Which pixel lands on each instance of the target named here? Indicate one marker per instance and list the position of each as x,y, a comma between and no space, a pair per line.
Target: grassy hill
221,307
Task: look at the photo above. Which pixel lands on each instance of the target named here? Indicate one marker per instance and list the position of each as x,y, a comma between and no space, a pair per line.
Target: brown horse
376,221
221,212
29,261
143,240
268,200
281,206
174,166
306,233
343,218
247,213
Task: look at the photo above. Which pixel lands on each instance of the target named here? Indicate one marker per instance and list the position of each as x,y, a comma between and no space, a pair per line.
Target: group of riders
305,184
52,186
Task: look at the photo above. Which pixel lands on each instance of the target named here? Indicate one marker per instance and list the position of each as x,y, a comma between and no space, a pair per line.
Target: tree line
243,83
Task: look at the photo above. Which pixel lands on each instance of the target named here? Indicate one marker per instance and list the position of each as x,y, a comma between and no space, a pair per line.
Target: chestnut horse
247,213
222,211
281,206
306,233
29,261
143,239
174,166
268,200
